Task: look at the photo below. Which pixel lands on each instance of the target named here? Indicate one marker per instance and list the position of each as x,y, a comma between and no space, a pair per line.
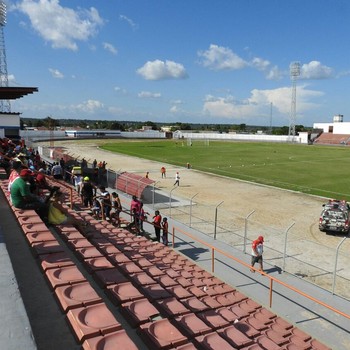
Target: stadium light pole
5,105
294,74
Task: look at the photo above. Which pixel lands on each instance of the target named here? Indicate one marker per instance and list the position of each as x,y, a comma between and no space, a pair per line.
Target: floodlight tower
5,105
294,74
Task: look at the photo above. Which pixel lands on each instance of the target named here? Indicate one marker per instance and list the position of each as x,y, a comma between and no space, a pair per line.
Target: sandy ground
311,253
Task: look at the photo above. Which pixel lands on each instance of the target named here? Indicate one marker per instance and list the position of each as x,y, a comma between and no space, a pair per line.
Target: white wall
338,128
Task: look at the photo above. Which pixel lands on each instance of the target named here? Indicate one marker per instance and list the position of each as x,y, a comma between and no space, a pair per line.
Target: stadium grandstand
116,289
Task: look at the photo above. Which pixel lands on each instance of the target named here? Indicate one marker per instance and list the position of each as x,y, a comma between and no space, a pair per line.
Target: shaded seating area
132,184
117,290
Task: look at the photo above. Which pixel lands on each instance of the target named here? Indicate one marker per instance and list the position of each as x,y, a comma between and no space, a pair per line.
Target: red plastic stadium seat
40,236
76,295
64,276
211,302
179,292
39,227
123,292
87,252
98,263
139,311
236,338
171,307
267,343
141,279
55,260
91,321
129,268
213,319
213,341
162,335
112,341
195,305
47,247
25,220
111,276
191,325
155,292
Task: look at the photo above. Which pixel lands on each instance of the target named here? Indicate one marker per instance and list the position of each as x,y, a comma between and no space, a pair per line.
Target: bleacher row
332,139
170,301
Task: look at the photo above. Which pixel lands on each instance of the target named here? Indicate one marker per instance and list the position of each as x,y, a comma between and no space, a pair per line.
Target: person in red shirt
157,223
257,253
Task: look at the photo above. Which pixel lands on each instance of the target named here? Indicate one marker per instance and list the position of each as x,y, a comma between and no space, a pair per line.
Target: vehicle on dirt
335,216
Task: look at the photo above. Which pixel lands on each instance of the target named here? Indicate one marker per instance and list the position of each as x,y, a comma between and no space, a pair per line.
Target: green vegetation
317,170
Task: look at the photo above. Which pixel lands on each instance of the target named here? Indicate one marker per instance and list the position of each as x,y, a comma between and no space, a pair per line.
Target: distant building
337,127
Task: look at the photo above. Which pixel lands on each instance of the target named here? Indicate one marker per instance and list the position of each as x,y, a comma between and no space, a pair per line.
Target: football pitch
317,170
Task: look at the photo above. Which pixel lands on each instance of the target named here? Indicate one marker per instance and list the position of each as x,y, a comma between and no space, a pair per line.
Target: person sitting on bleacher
22,198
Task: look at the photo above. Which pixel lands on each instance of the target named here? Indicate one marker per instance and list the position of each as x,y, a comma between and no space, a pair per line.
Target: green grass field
318,170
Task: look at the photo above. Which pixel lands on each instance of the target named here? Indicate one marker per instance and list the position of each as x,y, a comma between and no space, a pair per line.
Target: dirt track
275,211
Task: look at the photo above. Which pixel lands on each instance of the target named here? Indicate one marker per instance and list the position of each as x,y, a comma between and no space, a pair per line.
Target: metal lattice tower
5,105
294,74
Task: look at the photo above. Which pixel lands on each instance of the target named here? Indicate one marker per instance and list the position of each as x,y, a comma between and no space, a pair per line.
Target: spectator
88,191
22,198
257,253
143,216
77,182
147,175
157,222
165,228
116,208
135,207
57,171
41,181
106,202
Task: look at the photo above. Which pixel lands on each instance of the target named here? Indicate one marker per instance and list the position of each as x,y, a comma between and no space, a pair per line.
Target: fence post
285,246
336,263
191,209
246,230
216,218
153,194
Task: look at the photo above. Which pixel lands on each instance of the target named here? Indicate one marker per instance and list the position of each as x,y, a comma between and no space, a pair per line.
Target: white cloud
148,94
90,106
315,70
63,27
120,90
160,70
257,104
219,58
275,73
132,24
56,73
260,63
109,47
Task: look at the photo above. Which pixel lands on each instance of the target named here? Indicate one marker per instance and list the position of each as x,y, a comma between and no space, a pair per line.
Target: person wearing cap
22,198
87,191
257,253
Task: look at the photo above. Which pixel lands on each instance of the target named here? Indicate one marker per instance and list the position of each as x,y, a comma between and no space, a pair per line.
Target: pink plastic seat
248,305
195,305
318,346
267,343
246,329
213,319
39,227
123,292
129,268
116,340
47,247
179,292
155,292
162,335
92,320
166,281
87,252
75,244
139,311
118,258
191,325
55,260
184,282
107,277
76,295
197,291
236,338
212,341
153,271
71,235
108,249
98,263
211,302
143,263
40,236
141,279
64,276
24,212
277,337
171,307
24,220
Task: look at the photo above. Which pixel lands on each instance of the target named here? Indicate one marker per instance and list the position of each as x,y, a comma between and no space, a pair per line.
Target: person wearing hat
87,191
257,253
22,198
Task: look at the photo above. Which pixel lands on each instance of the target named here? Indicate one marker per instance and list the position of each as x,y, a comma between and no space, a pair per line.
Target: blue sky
206,61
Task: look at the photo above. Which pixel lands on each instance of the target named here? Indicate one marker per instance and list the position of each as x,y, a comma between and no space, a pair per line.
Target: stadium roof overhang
13,93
